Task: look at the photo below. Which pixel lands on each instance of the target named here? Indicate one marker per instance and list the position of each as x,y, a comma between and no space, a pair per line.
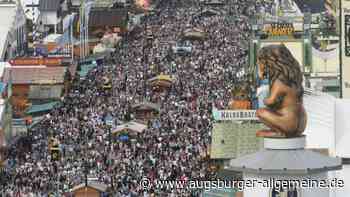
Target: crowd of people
175,144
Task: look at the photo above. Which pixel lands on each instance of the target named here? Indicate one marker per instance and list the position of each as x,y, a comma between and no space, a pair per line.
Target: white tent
130,126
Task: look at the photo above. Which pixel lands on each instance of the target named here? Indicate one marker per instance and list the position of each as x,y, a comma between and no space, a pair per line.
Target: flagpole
83,29
80,32
86,33
71,38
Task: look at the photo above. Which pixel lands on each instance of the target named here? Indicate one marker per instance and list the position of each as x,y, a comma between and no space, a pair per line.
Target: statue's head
277,62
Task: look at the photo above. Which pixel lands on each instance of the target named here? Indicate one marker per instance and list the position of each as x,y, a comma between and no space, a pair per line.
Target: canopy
42,107
130,126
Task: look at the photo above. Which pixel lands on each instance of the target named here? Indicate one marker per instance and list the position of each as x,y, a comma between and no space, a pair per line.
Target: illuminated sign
234,115
279,29
36,61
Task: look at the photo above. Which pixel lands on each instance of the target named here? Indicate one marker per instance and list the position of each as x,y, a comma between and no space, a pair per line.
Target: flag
68,21
65,38
20,20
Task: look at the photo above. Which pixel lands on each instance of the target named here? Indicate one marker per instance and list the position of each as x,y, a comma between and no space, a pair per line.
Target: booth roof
95,185
295,162
146,106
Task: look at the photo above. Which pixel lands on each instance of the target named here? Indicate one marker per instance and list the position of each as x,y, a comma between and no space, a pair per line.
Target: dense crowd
176,142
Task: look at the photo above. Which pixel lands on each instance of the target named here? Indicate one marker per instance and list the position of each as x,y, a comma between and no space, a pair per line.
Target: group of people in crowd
175,145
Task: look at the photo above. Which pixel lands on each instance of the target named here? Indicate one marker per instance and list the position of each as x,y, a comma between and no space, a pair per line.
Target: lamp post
109,124
144,61
81,28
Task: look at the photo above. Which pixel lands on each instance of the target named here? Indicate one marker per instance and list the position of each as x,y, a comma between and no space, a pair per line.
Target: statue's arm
277,90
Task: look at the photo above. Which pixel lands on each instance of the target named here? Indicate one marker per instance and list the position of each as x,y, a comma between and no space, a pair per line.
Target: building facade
12,30
5,110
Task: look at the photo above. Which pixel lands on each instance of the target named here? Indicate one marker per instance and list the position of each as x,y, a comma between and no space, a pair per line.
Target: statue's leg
277,122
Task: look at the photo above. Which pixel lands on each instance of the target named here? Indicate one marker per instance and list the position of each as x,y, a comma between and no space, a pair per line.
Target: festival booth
91,189
160,82
145,110
124,131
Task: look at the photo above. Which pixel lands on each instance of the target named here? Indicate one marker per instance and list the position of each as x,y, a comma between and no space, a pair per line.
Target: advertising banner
36,61
234,114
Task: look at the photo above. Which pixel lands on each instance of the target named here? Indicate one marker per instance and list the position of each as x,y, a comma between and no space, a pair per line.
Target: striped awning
42,107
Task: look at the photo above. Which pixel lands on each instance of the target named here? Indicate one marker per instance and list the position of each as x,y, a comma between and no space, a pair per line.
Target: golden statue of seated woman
284,114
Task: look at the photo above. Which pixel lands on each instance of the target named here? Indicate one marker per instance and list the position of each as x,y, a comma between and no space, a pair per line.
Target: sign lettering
234,115
36,61
278,29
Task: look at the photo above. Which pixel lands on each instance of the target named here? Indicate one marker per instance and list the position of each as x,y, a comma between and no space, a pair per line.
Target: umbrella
123,138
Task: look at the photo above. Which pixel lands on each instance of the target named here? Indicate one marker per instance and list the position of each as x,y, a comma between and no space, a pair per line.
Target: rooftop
94,185
108,17
285,156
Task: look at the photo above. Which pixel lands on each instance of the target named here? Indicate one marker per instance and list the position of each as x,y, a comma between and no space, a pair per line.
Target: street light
109,123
